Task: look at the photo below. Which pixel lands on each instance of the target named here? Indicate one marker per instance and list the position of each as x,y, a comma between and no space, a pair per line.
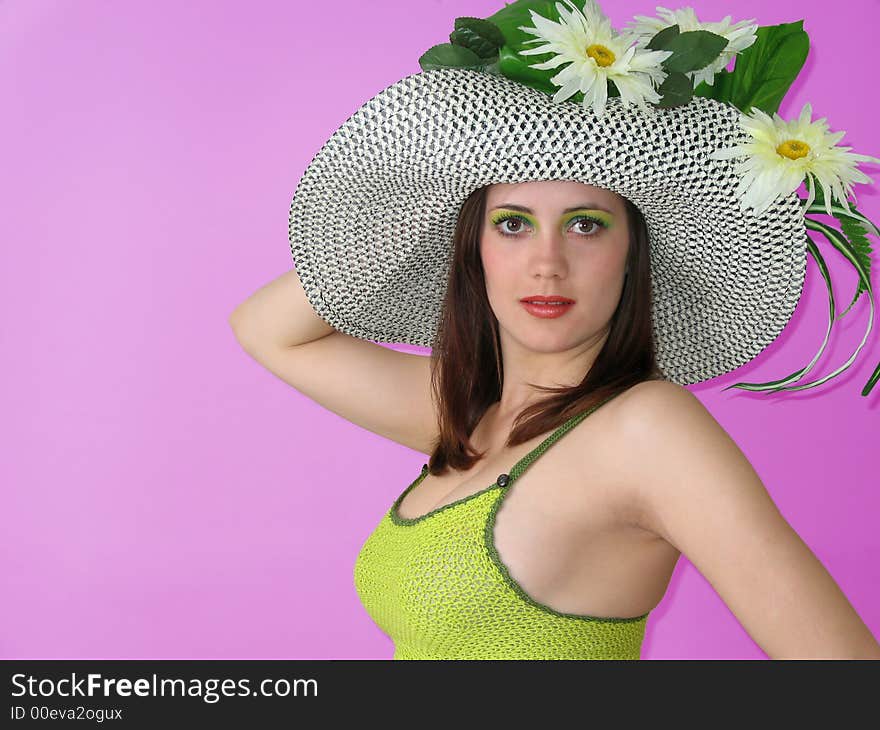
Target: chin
548,342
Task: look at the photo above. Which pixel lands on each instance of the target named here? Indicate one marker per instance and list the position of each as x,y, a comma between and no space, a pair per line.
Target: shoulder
644,413
646,406
666,448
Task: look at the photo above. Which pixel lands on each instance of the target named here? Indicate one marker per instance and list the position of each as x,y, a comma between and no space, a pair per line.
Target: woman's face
556,238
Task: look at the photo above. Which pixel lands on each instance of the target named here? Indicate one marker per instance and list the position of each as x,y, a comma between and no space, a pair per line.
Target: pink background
163,496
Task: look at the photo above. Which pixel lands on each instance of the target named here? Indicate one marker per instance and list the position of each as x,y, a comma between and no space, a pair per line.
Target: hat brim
372,218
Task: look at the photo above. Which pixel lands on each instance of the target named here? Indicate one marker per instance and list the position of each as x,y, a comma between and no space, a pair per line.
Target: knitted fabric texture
436,586
371,222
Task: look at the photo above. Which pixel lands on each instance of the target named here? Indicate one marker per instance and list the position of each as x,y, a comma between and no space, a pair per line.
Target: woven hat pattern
372,218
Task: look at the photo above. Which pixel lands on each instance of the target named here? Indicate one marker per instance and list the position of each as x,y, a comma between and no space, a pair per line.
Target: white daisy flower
781,155
739,36
595,53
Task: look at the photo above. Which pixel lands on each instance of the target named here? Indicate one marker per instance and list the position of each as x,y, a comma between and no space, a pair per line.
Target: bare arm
697,490
382,390
278,313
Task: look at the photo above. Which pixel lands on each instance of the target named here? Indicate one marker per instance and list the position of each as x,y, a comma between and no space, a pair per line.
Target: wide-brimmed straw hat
372,219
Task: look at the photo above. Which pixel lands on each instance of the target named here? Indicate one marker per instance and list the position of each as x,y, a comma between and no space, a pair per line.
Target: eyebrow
588,206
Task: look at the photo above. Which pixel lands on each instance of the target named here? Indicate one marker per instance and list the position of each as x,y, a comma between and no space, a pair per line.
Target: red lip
540,298
547,311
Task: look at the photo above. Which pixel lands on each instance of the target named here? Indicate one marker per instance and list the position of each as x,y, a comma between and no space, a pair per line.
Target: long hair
466,368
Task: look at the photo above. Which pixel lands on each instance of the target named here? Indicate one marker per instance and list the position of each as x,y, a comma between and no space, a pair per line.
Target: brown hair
466,369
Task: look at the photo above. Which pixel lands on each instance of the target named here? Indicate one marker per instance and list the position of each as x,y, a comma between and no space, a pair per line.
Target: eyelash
508,216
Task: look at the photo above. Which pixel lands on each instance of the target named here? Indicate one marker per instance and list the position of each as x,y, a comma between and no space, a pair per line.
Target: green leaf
872,381
511,16
842,244
447,55
855,232
471,37
515,67
692,50
764,71
721,88
845,246
818,195
837,210
661,40
480,36
675,90
855,227
492,67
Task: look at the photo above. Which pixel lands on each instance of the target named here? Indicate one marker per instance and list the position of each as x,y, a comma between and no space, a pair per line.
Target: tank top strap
526,461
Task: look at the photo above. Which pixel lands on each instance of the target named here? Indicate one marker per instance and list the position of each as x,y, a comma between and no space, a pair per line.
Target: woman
545,526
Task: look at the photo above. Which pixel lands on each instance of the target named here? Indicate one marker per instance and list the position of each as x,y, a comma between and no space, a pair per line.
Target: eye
509,224
517,220
599,224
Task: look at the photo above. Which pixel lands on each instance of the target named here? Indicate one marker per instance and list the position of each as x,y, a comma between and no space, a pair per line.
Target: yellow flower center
600,54
793,149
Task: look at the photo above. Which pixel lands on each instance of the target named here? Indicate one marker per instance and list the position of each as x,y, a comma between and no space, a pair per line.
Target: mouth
546,300
547,307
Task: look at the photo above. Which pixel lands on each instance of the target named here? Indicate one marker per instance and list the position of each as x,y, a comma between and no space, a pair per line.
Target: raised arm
382,390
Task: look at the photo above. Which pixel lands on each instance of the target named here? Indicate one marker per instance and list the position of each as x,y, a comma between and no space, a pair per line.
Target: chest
557,526
483,570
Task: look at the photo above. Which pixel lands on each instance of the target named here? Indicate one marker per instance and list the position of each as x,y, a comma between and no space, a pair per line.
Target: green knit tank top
436,586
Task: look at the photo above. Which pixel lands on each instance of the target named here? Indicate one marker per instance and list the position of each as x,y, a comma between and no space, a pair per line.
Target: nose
548,254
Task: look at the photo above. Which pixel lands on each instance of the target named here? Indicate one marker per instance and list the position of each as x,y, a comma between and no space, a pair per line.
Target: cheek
598,279
610,264
497,265
606,261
